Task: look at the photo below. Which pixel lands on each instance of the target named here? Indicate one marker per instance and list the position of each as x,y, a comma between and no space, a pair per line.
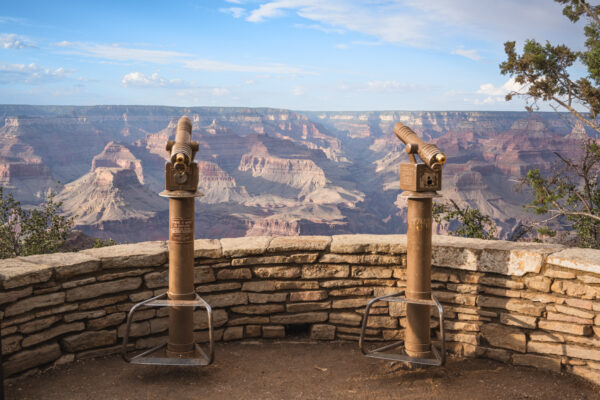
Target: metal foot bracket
148,357
440,355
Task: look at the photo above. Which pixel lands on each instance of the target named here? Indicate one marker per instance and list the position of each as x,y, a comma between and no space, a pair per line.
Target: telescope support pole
418,270
181,276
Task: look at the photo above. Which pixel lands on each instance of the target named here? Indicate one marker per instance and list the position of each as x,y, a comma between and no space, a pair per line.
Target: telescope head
431,155
181,172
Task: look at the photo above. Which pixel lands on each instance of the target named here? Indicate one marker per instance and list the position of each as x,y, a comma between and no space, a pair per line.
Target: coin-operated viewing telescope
181,184
420,182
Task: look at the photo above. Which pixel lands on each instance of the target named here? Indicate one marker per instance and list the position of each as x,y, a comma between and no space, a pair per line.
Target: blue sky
296,54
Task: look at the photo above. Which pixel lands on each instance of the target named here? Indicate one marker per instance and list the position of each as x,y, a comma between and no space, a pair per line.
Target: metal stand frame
440,355
146,357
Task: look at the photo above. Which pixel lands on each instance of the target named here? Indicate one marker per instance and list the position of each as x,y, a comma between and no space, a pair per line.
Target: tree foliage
26,232
544,72
473,223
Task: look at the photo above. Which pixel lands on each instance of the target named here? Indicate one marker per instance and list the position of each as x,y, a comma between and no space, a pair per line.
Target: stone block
207,248
345,318
449,297
28,359
218,287
245,246
575,289
350,303
31,303
155,280
319,271
284,244
100,289
233,333
137,329
371,272
259,309
574,329
322,332
300,318
226,299
219,317
506,283
253,331
341,283
381,321
273,332
532,360
313,295
523,321
143,254
14,295
553,272
11,344
84,315
504,337
158,325
66,265
521,306
469,288
265,286
579,259
204,275
589,279
296,285
575,311
307,306
542,297
583,304
363,259
202,336
552,316
105,322
277,272
352,291
385,244
51,333
38,324
102,352
65,308
17,273
106,301
263,298
542,336
462,325
393,334
234,274
145,295
88,340
125,274
65,359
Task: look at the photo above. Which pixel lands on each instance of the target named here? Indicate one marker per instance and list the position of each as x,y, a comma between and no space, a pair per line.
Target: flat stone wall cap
143,254
207,248
66,265
579,259
245,246
388,244
496,256
298,243
15,272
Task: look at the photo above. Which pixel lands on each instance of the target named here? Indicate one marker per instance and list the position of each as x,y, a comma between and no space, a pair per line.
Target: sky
296,54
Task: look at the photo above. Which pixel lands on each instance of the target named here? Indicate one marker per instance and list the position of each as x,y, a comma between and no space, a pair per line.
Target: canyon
270,171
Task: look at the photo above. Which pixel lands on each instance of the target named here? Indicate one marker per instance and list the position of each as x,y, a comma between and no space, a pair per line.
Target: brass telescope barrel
429,153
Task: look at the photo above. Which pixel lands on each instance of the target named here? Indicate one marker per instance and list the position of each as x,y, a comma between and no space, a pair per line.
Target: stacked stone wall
525,304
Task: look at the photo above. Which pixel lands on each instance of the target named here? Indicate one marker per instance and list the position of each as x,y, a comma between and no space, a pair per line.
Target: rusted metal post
418,277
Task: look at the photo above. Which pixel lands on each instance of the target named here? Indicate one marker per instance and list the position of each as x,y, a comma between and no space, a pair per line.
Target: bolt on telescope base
158,355
384,353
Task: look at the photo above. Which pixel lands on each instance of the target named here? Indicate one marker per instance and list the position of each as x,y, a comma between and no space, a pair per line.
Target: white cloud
235,12
509,86
31,73
119,53
388,86
140,80
342,46
234,1
13,41
471,54
320,28
430,23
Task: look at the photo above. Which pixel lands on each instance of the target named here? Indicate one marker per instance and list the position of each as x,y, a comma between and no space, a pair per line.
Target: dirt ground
298,370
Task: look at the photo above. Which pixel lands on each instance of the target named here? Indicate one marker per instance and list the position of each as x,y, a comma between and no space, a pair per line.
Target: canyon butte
269,171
